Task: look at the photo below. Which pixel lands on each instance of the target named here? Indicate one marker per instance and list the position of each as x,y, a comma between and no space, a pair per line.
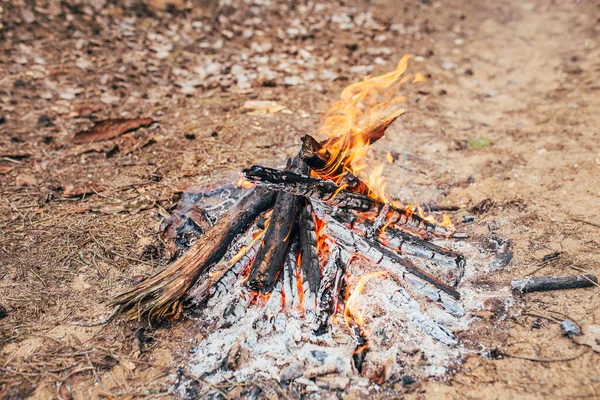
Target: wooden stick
311,270
160,296
269,259
331,285
546,283
405,243
327,191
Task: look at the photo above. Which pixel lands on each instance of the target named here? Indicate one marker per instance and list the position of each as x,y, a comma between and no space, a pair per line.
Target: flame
352,315
363,112
244,184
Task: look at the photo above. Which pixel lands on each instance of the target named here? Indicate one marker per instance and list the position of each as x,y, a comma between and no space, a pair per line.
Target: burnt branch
331,285
406,244
320,160
327,191
269,259
378,254
309,261
161,296
546,283
290,278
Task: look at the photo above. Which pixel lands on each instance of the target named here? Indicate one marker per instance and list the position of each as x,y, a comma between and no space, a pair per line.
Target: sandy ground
509,114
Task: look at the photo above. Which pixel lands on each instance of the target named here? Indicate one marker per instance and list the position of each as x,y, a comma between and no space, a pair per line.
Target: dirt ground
510,113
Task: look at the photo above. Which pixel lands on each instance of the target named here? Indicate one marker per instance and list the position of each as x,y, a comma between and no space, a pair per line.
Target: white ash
410,332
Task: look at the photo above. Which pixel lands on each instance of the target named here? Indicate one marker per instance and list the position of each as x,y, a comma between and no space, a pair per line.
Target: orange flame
244,184
359,116
351,313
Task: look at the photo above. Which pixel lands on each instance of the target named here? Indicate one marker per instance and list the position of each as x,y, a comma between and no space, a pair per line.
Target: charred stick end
546,283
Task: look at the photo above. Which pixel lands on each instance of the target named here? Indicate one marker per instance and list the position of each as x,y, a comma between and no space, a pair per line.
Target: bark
546,283
161,296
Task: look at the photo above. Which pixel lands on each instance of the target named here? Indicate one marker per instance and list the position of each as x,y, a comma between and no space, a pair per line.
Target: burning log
319,159
378,254
367,135
405,243
160,296
331,285
546,283
269,259
311,270
327,191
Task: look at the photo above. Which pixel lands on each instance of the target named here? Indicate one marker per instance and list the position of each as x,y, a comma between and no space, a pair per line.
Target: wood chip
111,128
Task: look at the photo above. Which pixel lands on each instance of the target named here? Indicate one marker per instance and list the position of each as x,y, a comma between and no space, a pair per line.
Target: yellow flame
364,111
352,313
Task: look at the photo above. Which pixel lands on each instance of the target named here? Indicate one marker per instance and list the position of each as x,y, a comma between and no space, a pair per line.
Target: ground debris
110,128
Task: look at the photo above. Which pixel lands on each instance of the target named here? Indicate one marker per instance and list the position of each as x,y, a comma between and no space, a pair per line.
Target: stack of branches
292,194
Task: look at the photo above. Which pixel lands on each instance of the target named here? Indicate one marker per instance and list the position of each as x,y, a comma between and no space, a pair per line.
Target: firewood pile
297,250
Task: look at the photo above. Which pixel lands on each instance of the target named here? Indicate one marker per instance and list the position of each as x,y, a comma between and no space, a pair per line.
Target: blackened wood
546,283
290,275
407,244
378,254
311,271
327,191
161,296
329,291
269,259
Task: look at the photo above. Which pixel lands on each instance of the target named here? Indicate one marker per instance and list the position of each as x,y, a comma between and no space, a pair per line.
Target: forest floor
508,121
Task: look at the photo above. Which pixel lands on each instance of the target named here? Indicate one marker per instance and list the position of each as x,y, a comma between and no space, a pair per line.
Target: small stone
292,372
44,120
407,380
569,329
291,80
25,180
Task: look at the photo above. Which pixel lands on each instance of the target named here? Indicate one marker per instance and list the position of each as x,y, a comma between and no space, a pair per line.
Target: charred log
269,259
378,254
161,296
319,159
309,261
406,244
327,191
546,283
331,285
290,279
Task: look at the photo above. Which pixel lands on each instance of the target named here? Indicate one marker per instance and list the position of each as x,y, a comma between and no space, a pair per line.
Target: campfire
296,239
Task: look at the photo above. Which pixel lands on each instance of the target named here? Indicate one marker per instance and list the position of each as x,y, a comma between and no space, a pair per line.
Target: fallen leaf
590,337
25,180
72,191
110,128
259,107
